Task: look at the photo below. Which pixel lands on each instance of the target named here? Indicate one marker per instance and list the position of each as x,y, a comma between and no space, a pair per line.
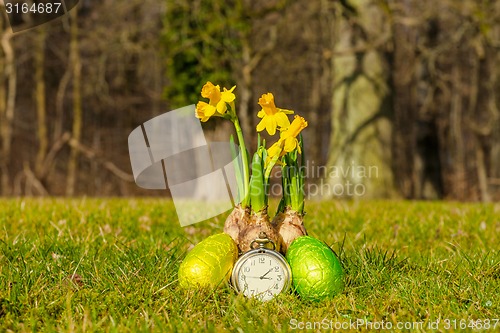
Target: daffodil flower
289,135
288,139
226,97
217,106
272,117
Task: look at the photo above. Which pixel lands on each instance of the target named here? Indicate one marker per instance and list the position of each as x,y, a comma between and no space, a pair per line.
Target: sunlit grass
111,265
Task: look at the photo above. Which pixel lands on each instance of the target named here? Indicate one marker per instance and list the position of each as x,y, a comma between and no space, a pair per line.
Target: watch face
262,275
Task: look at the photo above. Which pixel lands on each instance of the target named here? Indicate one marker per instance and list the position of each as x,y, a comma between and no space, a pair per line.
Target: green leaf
293,181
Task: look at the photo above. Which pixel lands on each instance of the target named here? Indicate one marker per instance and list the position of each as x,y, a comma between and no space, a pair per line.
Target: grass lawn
111,265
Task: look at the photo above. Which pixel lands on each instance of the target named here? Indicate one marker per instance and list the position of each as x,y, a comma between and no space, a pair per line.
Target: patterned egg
209,263
316,271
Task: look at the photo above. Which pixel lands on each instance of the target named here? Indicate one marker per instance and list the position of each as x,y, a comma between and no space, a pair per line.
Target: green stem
244,158
285,181
302,175
237,166
257,188
294,193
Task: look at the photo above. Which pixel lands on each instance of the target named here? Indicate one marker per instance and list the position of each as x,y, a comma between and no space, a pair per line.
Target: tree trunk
406,165
75,62
359,163
245,91
40,94
7,108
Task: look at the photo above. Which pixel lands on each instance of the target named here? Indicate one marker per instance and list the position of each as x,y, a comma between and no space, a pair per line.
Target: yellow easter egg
209,263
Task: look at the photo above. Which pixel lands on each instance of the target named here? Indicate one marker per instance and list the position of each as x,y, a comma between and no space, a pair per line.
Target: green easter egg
209,263
316,270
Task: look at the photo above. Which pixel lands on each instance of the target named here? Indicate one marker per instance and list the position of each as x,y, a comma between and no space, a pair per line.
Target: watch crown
262,241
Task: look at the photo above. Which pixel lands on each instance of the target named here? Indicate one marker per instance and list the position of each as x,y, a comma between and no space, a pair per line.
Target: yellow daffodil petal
227,95
274,150
261,125
261,114
210,110
282,120
271,125
290,144
221,107
286,111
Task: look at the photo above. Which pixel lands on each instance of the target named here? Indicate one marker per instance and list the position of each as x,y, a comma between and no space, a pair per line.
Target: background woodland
408,86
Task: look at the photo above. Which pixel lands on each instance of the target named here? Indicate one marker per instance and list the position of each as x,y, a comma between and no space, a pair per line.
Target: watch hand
259,277
269,271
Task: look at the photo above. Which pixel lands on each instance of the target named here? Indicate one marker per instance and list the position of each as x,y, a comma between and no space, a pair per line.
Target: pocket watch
262,272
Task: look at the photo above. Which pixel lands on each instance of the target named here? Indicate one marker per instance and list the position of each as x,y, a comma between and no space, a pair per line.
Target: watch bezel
241,260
